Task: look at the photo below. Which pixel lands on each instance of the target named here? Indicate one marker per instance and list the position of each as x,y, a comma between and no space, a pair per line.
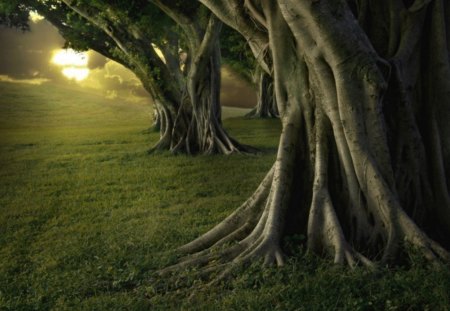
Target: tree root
228,227
343,89
416,237
324,228
239,239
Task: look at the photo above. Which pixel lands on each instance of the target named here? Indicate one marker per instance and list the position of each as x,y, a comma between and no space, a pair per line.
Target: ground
86,216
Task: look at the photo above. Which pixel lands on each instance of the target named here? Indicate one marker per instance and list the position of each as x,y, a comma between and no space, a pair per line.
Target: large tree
185,94
133,52
200,31
363,162
195,126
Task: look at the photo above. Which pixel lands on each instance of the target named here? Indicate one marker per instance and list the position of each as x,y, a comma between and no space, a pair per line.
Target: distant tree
237,55
363,164
266,104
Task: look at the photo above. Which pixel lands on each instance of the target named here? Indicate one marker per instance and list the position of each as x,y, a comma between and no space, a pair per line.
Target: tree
237,55
202,71
363,162
186,98
266,105
136,54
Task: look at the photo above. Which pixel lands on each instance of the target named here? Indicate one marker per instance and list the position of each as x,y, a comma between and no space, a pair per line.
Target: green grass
86,216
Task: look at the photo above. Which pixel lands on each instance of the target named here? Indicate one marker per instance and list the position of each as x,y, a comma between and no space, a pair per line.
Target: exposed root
324,228
262,242
263,213
336,126
245,213
203,258
416,237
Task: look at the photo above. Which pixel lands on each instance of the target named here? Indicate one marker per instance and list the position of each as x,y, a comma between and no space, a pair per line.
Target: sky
37,57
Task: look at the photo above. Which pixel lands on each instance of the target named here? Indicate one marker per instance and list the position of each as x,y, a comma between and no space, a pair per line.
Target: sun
74,64
69,57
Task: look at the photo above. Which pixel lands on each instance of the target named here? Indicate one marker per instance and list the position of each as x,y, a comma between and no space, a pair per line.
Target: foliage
14,14
236,53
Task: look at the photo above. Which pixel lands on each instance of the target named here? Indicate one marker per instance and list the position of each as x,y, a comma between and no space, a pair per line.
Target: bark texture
363,162
266,105
201,85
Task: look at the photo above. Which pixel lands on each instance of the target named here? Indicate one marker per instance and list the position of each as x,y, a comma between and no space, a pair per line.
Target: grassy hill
86,216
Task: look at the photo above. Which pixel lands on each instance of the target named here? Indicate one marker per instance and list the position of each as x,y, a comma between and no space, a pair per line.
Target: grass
86,216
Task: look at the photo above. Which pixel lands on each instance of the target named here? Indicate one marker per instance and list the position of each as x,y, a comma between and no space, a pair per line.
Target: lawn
87,216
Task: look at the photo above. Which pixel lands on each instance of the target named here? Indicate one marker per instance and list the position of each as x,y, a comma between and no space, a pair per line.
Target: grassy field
86,216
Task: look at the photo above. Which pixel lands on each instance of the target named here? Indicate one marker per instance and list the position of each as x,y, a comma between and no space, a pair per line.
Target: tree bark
362,168
266,105
201,88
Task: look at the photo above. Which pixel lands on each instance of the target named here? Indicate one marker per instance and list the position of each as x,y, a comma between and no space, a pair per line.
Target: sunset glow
74,63
35,17
78,74
70,57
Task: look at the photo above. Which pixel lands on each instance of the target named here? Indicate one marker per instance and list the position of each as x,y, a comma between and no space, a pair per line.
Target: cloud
114,81
96,60
26,56
36,81
35,17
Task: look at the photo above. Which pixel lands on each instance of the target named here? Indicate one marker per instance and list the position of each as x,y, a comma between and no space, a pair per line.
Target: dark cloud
96,60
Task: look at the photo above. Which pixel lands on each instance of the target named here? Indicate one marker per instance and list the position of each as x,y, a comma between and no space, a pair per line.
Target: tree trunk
266,105
187,109
203,88
363,162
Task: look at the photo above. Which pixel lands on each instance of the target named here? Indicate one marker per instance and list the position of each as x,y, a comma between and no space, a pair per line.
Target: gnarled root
416,237
243,216
243,236
255,229
324,228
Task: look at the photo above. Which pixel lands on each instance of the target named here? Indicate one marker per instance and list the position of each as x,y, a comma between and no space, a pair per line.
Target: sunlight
78,74
159,52
35,17
69,57
74,63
